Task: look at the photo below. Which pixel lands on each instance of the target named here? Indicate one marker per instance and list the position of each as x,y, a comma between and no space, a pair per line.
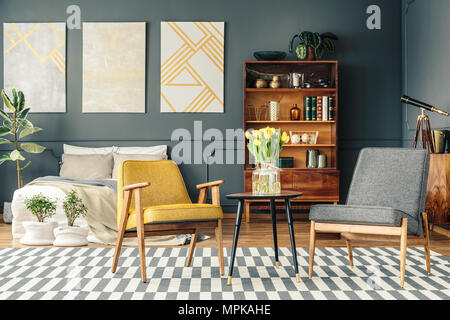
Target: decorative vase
70,236
275,83
266,178
7,212
38,233
260,83
274,110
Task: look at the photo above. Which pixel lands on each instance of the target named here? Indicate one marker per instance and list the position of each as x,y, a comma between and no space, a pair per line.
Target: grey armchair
386,201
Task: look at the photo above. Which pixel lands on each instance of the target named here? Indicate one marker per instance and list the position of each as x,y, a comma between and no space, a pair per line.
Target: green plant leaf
7,101
21,101
32,148
319,52
291,43
4,131
27,131
16,155
27,165
23,114
4,141
9,124
5,157
25,123
16,99
301,51
4,115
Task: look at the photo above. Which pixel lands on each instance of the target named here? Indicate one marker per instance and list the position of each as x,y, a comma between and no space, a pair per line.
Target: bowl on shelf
269,55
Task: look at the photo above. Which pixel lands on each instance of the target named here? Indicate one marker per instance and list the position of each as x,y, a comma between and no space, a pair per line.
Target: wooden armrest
136,186
210,184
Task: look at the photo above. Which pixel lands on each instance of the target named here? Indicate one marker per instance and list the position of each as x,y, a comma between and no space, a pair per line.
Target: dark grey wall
426,67
370,75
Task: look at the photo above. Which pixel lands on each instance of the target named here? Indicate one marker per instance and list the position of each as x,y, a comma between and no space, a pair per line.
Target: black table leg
273,212
235,239
291,231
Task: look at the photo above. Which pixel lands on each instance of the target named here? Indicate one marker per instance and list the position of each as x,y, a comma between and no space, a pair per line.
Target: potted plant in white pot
39,233
16,125
70,235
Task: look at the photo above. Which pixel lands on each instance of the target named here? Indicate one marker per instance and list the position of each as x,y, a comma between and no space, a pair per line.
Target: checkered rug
84,273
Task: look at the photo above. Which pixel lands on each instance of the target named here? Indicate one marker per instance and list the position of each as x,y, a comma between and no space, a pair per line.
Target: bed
91,172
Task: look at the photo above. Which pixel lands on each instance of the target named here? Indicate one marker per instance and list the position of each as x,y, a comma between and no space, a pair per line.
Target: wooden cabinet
317,185
438,189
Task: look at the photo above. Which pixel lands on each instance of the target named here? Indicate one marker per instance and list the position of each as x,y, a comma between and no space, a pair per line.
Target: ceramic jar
275,83
260,83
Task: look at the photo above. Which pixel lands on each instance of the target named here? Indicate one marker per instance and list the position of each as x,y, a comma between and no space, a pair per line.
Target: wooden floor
258,233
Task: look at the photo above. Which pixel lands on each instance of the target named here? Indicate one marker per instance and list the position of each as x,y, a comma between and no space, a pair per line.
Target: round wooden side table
283,195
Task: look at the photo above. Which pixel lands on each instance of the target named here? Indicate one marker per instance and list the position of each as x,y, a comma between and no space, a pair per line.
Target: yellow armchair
153,200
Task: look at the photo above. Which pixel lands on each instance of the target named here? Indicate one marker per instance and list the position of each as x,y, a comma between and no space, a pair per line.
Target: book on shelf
331,108
307,104
325,108
313,108
319,108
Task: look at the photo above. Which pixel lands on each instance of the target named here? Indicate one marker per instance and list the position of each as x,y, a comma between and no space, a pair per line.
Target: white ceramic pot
38,233
70,237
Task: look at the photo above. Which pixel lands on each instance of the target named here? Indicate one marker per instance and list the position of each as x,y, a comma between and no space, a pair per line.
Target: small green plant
73,207
319,42
41,206
17,125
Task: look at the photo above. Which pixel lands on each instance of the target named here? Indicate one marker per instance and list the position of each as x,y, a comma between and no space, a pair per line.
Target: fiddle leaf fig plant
16,125
319,42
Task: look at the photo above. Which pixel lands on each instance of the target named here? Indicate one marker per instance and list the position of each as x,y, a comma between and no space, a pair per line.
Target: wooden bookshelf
317,185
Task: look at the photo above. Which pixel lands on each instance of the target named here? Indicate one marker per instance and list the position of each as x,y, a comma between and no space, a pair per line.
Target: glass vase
266,178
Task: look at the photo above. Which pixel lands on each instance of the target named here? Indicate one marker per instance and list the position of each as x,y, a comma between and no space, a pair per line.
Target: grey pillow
93,166
119,158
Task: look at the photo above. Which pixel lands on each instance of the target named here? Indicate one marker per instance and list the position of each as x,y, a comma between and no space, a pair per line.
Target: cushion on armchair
364,215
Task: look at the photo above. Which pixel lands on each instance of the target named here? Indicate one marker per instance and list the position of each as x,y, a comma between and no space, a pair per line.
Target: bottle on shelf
295,113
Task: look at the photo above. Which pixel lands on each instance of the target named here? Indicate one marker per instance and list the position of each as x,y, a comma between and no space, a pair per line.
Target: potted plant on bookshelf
265,145
313,45
70,235
39,233
16,124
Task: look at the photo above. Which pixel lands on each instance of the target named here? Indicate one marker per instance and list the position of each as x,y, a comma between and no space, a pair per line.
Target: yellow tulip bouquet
265,145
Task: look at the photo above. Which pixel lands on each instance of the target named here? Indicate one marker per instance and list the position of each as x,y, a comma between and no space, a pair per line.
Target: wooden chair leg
191,248
312,246
247,211
140,234
426,234
123,224
403,245
219,240
350,253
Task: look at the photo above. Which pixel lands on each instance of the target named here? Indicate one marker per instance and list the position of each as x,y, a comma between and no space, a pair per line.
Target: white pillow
156,150
68,149
119,158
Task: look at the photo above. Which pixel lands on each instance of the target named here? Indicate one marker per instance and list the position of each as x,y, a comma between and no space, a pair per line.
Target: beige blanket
102,213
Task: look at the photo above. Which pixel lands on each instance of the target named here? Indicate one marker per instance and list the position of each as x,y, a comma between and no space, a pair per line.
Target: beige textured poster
34,59
192,66
114,67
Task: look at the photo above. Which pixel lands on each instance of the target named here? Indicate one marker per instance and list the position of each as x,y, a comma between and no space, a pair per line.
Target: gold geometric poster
34,61
192,66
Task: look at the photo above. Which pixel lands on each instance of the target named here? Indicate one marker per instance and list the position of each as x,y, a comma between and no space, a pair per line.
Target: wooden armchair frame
361,232
167,228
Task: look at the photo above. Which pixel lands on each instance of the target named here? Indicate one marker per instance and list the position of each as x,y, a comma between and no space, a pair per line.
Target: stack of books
320,108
